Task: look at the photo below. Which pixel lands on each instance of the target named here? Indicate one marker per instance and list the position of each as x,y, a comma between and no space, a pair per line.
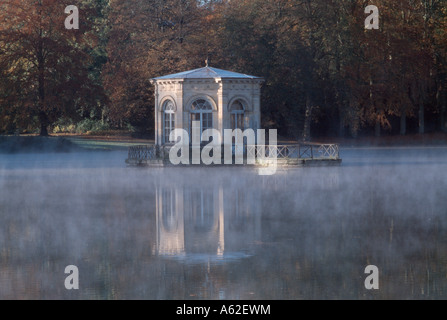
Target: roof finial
207,62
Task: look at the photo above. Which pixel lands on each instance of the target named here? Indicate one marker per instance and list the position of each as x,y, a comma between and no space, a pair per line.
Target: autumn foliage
325,73
44,67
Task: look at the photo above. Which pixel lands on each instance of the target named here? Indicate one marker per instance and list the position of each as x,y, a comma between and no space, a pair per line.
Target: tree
145,43
324,72
438,23
44,65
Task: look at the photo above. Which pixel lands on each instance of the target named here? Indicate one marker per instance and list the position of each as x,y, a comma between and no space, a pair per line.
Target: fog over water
224,232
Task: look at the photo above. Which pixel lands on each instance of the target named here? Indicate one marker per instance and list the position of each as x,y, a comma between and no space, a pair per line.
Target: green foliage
91,126
64,125
85,126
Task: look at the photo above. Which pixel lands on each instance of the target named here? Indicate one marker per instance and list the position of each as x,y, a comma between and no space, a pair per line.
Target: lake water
224,233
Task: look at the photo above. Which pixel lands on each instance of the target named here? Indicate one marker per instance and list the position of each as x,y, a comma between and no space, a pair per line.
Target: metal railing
143,153
312,151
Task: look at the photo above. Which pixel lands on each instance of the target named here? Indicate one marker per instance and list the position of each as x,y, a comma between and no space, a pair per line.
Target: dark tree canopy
325,73
44,67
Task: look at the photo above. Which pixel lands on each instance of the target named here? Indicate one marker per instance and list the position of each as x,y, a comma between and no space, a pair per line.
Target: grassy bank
67,143
76,143
413,140
35,144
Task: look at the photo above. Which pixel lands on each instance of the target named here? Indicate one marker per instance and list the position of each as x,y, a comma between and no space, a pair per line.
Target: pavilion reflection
206,223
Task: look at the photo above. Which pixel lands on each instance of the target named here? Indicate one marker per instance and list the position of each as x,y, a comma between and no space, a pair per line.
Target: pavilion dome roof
207,73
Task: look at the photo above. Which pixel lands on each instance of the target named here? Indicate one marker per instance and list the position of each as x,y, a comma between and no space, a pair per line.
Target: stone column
222,109
156,114
179,102
257,105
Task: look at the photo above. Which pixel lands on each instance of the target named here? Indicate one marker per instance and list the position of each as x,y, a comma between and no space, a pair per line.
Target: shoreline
122,141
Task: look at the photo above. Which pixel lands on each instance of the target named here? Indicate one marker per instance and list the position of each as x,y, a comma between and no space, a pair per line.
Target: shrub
64,125
91,126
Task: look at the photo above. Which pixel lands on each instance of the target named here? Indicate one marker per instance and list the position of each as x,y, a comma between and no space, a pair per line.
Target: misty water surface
224,233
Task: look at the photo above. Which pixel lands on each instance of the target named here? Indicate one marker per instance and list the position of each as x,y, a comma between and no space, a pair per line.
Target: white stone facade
216,98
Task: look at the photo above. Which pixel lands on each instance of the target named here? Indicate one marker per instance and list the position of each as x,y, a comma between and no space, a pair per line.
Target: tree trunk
421,117
443,110
307,120
354,131
377,129
403,123
43,119
341,128
342,122
443,121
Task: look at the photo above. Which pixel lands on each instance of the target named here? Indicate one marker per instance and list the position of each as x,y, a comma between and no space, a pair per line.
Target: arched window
237,111
168,120
201,105
202,112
